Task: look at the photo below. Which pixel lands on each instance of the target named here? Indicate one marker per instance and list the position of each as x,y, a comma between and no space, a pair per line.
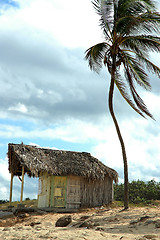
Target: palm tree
130,30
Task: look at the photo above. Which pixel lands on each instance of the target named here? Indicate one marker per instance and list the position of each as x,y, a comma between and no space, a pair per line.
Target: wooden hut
67,179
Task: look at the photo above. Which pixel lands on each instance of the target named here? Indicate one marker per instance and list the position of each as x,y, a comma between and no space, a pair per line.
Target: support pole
11,186
22,184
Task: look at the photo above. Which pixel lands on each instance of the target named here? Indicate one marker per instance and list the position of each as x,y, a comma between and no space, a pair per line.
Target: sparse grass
27,203
115,204
151,203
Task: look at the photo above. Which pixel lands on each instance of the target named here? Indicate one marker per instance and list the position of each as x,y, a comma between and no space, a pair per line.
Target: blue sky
5,4
50,98
10,3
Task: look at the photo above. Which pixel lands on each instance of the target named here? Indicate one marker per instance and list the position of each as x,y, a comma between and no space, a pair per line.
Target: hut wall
44,190
96,193
73,192
80,192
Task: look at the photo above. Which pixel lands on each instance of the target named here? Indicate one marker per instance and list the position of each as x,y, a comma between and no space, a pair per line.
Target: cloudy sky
49,96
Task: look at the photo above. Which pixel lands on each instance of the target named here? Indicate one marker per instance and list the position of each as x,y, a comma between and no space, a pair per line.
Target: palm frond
137,14
150,21
144,42
136,70
133,49
105,10
126,24
147,22
138,100
124,92
134,7
95,56
150,66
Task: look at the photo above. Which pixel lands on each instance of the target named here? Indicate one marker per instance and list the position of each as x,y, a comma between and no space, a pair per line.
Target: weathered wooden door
58,196
73,192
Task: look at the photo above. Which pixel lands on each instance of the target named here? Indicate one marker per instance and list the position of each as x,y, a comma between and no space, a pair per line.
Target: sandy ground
94,224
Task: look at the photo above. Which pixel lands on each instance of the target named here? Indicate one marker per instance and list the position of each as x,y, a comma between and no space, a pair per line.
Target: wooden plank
73,192
42,201
22,184
96,193
11,188
44,190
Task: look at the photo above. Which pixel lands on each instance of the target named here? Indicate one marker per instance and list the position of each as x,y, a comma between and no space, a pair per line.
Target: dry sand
135,223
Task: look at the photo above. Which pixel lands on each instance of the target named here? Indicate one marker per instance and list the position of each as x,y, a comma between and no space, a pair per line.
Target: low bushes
139,191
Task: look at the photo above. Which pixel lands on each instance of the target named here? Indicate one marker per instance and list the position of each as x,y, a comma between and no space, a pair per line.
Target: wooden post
11,186
22,184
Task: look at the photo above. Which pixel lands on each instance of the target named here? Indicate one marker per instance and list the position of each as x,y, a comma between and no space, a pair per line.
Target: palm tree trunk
111,90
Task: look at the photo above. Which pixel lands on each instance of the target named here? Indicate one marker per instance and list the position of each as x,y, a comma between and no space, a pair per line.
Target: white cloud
153,103
4,169
61,19
72,131
142,150
4,194
19,107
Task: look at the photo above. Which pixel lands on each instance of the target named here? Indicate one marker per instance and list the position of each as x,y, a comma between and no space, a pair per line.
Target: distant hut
66,179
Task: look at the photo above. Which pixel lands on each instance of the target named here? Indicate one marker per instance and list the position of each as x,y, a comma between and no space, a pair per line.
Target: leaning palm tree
130,30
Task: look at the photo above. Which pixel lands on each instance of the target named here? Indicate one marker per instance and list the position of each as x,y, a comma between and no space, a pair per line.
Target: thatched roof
56,162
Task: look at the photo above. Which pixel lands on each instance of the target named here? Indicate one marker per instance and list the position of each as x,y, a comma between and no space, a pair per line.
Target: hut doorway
58,191
73,192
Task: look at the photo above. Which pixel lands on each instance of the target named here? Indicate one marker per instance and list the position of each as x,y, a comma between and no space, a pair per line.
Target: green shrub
139,191
3,201
27,198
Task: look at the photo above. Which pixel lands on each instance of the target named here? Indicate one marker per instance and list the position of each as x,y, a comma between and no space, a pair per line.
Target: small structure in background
67,179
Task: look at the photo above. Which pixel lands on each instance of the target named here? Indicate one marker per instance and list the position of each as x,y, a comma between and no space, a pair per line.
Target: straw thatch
56,162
